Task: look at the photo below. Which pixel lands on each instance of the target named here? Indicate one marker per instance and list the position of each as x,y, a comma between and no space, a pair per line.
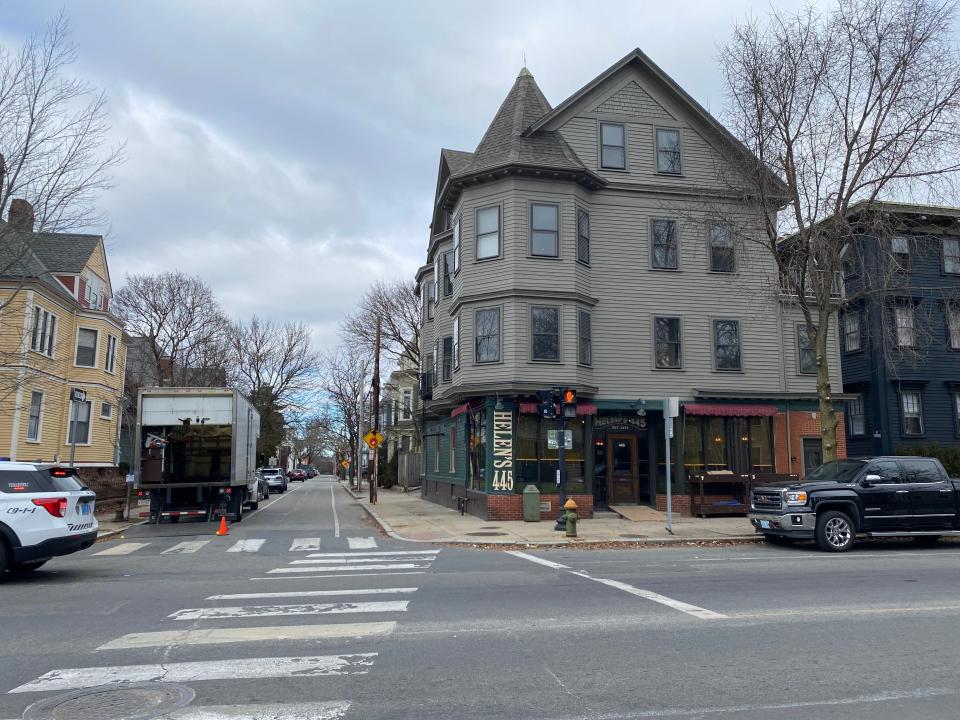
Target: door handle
902,492
946,490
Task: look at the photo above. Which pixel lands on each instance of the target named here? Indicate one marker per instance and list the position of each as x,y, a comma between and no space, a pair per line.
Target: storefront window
537,462
478,449
693,445
716,444
575,459
526,448
761,449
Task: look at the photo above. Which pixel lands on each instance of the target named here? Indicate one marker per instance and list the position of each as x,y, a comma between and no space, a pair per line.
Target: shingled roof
504,143
64,252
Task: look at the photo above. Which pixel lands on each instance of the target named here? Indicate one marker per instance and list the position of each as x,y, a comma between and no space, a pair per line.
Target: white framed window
111,359
79,427
851,331
663,245
407,403
106,410
448,273
613,151
856,416
906,326
668,151
429,297
722,254
456,246
488,232
544,229
456,342
436,361
900,247
911,407
951,255
44,333
436,279
953,325
86,355
806,355
35,422
453,446
448,358
94,291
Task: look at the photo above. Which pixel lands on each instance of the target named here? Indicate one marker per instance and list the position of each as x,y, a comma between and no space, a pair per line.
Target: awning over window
460,410
583,408
730,410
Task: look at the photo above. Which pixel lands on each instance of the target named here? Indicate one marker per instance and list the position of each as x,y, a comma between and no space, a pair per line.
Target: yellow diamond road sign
373,439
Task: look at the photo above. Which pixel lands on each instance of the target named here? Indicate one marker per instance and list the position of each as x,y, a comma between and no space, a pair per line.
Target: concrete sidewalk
409,517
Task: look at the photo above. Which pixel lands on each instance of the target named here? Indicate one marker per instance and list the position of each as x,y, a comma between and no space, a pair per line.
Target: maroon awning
460,410
583,408
730,410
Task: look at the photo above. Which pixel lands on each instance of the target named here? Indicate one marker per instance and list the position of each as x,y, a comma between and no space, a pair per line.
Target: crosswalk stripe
220,669
314,593
241,611
361,543
218,636
302,544
252,545
122,549
188,546
351,575
386,553
354,561
299,711
346,568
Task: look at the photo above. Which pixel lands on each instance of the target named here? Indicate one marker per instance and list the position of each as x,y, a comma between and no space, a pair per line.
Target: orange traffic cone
222,530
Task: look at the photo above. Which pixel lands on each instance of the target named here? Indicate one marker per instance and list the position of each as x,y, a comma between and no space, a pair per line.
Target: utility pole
376,412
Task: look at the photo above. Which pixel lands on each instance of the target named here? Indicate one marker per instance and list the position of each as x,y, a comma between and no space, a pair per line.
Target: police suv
45,511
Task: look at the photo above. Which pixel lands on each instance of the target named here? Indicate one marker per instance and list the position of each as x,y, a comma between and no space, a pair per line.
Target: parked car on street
275,477
261,491
299,475
877,497
44,512
310,470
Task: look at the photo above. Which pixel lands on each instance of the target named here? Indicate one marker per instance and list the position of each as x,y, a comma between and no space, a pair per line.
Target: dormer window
613,152
93,291
668,151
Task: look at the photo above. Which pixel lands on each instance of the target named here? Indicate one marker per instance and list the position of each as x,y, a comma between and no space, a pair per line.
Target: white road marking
314,593
302,544
538,560
347,568
687,608
219,636
361,543
353,561
220,669
383,553
299,711
243,611
252,545
122,549
333,504
188,546
325,577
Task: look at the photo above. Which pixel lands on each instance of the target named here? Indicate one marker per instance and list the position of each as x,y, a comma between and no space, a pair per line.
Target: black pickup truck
877,497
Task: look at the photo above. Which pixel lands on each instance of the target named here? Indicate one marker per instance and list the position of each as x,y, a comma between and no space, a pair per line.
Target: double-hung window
722,255
953,325
956,413
448,273
668,151
86,347
456,246
436,361
34,422
951,255
584,337
544,229
906,326
488,232
44,331
668,344
79,429
106,410
488,335
912,409
851,331
613,153
436,279
726,344
856,416
583,236
807,356
111,359
407,403
456,342
429,298
545,333
663,244
453,446
436,452
900,248
448,357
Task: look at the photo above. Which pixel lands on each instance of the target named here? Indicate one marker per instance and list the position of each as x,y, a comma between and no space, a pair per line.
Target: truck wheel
238,508
778,539
926,540
4,558
835,531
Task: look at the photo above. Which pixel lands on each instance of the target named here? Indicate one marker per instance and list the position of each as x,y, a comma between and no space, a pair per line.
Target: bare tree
844,107
398,305
346,375
180,331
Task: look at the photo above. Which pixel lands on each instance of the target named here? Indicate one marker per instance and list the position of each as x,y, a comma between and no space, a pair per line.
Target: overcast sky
286,151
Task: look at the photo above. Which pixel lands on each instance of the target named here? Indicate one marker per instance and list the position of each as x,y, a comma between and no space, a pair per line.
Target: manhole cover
485,534
141,701
634,537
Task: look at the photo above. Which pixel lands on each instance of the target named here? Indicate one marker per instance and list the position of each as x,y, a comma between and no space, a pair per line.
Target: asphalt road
305,611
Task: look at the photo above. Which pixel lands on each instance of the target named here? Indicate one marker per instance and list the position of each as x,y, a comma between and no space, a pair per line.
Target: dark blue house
900,332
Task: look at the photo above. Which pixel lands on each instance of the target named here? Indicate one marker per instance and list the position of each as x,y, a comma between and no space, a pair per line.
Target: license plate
85,509
765,524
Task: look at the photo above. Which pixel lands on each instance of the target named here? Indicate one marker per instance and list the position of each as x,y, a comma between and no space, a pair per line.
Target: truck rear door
885,501
932,497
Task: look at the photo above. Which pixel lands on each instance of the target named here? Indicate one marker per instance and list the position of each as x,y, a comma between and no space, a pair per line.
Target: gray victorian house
581,246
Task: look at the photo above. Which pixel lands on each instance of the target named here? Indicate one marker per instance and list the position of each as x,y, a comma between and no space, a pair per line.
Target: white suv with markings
45,511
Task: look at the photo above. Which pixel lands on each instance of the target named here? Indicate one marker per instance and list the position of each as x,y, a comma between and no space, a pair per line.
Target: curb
639,542
109,534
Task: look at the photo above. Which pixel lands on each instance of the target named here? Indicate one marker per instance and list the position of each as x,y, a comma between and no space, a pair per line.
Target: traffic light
547,406
570,403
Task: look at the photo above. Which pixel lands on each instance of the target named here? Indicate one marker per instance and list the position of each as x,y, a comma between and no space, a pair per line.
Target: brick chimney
20,215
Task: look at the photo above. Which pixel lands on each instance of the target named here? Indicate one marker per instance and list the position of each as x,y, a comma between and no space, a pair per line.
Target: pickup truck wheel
926,540
778,539
835,531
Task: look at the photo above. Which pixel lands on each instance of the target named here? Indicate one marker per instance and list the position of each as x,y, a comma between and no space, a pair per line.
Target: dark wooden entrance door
622,470
812,454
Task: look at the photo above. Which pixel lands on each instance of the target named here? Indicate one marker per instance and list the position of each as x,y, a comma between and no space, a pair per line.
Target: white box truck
195,453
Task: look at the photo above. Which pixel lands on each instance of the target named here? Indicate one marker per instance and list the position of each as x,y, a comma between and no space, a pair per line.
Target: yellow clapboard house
56,334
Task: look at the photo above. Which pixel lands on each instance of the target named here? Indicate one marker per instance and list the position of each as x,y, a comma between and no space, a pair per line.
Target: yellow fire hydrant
571,517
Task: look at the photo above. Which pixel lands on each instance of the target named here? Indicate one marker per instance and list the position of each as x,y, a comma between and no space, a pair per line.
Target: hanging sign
503,450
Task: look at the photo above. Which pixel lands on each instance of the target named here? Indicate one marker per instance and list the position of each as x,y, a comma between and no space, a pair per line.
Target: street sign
373,439
344,463
552,440
77,395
